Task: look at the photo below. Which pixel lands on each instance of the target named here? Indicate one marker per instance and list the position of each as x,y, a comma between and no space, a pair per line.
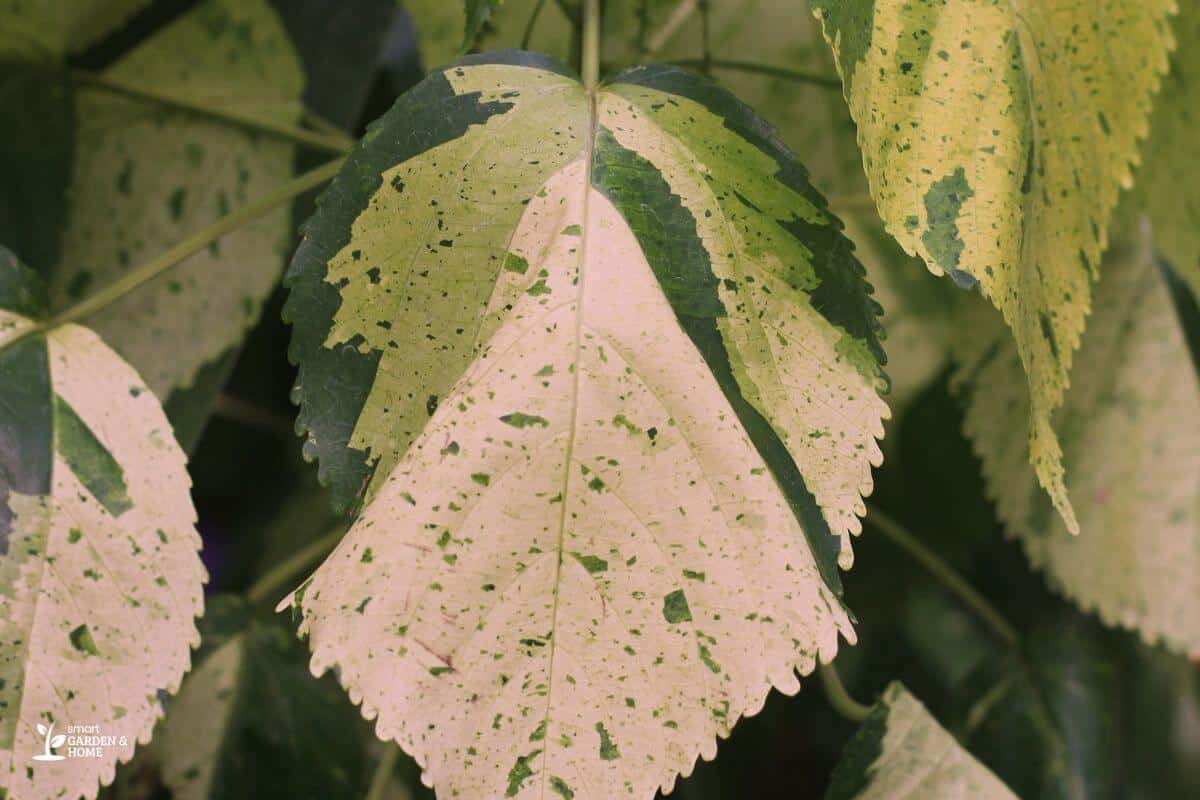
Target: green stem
339,144
706,62
383,771
851,202
591,44
816,79
255,417
955,583
643,25
322,125
277,579
679,16
193,244
529,26
839,698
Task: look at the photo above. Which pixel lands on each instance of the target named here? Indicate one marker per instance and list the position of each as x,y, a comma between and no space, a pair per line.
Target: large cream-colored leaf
1131,439
902,752
100,580
605,374
996,136
145,177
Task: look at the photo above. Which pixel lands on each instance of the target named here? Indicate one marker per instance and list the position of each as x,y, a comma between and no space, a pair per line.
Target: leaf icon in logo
41,729
57,741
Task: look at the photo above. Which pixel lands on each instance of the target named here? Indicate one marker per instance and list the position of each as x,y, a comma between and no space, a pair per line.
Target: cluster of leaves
597,376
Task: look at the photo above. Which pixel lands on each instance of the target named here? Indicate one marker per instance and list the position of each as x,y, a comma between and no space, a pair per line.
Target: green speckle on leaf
675,607
176,202
514,263
482,478
943,203
81,640
591,563
520,419
74,535
560,786
621,421
520,770
608,749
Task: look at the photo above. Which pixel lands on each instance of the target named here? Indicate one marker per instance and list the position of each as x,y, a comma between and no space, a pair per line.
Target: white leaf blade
100,578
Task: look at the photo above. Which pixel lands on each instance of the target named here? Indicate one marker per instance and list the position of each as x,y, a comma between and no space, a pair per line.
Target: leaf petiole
816,79
321,140
591,44
189,246
839,697
277,579
935,566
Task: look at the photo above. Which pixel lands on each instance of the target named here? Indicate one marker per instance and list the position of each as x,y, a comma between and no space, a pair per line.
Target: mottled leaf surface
604,375
902,751
145,177
48,29
814,123
996,136
1168,183
1130,427
251,708
100,579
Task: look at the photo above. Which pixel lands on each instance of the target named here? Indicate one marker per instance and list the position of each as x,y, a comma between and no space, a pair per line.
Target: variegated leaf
1168,183
1131,439
49,29
902,751
996,136
813,122
100,580
603,369
147,176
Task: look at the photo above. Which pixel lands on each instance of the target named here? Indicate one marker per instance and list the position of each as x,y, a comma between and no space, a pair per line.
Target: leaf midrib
568,455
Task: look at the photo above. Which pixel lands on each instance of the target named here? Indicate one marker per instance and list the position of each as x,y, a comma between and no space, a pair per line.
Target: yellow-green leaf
996,136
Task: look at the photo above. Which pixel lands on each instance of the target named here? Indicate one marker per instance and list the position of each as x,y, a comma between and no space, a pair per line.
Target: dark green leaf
251,709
